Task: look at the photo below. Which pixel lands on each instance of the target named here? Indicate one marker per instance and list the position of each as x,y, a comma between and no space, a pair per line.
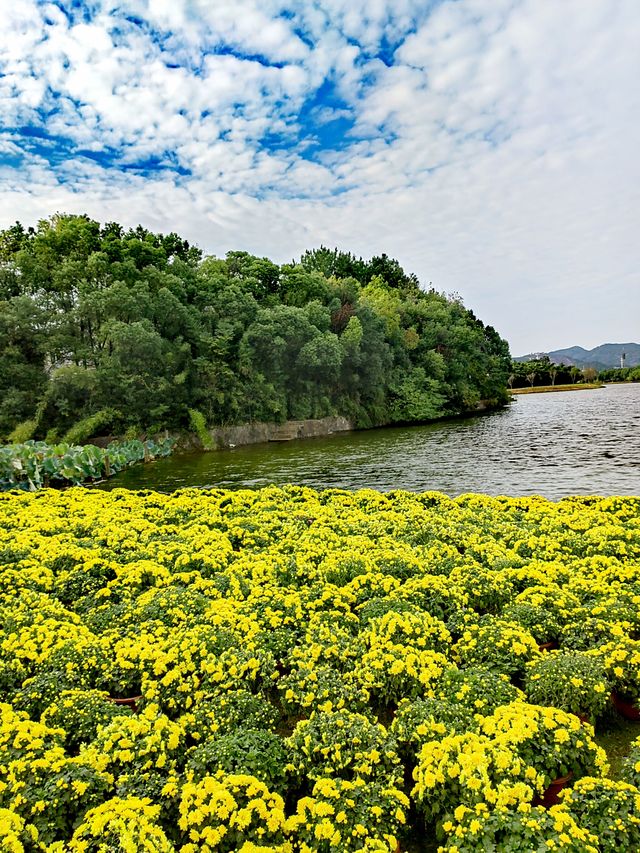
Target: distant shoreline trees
620,374
540,372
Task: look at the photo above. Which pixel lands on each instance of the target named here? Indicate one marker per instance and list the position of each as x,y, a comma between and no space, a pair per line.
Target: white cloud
495,155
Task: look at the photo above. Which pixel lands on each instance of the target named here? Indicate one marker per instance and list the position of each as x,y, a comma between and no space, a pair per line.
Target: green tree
101,319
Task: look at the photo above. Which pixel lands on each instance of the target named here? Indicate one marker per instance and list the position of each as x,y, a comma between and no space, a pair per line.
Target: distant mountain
602,357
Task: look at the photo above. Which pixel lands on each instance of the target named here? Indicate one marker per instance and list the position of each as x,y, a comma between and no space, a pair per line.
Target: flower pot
627,709
547,647
130,702
551,797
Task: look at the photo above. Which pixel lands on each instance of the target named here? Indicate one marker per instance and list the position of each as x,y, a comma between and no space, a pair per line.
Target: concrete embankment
256,433
221,437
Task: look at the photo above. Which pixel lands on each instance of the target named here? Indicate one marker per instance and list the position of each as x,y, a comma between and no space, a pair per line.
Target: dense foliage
35,464
103,329
620,374
314,671
543,371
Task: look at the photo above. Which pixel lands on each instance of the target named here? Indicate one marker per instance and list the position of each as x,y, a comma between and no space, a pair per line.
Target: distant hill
602,357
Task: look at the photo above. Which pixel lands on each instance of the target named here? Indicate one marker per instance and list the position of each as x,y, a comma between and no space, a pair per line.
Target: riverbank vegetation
542,373
620,374
36,464
105,330
539,389
314,671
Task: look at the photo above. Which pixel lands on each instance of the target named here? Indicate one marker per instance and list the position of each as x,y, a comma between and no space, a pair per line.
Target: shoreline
543,389
225,437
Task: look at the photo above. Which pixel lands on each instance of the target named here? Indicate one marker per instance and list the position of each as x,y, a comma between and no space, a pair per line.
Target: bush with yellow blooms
292,671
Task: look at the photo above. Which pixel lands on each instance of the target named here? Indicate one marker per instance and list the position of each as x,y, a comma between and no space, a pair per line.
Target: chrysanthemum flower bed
314,671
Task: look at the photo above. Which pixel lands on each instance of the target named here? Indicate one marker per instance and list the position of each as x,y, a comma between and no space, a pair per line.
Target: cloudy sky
492,146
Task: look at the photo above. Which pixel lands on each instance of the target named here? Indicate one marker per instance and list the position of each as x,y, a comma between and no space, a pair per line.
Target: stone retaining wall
234,436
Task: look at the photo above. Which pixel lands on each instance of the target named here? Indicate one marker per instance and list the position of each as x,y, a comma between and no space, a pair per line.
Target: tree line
620,374
542,372
107,330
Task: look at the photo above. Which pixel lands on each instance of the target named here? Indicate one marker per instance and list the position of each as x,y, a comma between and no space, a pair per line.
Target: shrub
420,720
477,688
250,752
573,681
80,713
394,671
434,594
40,782
198,424
92,425
469,768
144,745
349,816
518,830
121,824
621,660
415,630
321,688
342,744
38,692
22,432
631,765
374,608
483,589
585,632
222,713
16,836
223,811
501,646
552,742
610,810
537,620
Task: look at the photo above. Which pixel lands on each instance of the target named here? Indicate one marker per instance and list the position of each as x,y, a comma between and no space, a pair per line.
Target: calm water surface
551,444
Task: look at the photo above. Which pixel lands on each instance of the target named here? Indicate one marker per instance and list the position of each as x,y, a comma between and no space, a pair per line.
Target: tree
575,373
102,318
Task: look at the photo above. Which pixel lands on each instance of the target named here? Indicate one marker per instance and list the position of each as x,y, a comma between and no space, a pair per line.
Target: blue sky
490,145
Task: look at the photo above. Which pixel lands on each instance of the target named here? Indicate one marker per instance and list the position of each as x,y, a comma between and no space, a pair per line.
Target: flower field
315,671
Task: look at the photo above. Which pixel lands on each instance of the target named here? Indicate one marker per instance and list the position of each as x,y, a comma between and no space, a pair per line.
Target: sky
491,146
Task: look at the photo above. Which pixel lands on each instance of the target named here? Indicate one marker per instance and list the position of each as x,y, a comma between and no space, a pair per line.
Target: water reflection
554,444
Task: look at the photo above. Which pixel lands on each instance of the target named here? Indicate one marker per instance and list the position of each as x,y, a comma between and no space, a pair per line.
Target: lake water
551,444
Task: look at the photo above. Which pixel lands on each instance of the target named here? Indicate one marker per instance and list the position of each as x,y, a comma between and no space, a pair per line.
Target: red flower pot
130,702
551,796
547,647
627,709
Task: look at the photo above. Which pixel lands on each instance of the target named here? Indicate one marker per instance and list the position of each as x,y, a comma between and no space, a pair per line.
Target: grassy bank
541,389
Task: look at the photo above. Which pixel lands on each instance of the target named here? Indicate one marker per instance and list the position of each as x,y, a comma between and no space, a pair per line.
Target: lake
551,444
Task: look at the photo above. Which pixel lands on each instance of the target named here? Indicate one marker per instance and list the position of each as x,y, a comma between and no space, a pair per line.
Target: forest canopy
105,330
